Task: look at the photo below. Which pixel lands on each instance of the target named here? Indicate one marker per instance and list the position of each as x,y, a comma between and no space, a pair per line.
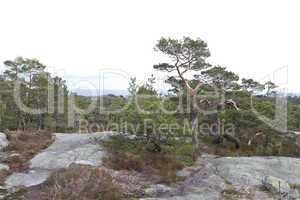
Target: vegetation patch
231,194
263,188
270,144
24,145
138,155
78,181
3,175
295,186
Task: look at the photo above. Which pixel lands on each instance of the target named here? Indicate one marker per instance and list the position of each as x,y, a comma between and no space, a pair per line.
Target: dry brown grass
123,161
3,175
231,194
77,182
124,154
166,166
25,145
152,164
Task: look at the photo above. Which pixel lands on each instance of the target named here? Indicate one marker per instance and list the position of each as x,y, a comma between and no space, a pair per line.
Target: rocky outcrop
31,178
3,141
201,182
66,149
250,171
276,185
158,190
3,167
211,177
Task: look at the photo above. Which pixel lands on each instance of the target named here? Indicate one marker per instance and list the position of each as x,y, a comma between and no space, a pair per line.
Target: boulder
276,185
3,167
3,141
85,153
31,178
158,190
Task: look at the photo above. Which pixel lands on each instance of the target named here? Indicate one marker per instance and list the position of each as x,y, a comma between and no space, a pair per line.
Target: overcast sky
253,38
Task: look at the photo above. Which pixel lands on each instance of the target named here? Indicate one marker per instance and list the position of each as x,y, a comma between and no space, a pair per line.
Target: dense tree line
30,96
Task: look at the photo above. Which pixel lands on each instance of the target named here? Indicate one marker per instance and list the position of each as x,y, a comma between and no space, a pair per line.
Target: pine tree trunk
195,139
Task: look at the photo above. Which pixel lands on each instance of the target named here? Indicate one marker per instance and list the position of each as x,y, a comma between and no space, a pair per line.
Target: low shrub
296,186
77,182
25,145
231,194
3,175
128,154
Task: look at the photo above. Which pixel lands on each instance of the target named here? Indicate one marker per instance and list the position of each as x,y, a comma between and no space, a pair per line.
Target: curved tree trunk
195,139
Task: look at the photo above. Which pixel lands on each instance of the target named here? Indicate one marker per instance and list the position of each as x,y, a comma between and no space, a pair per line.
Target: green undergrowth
231,194
140,155
296,186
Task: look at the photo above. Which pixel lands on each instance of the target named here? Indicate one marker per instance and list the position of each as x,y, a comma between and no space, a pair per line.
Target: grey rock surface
3,156
201,182
66,149
4,167
33,177
276,185
71,148
158,190
200,196
3,141
251,170
210,176
206,180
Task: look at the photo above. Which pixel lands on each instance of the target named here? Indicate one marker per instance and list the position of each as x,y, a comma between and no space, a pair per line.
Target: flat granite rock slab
4,167
50,160
66,149
211,175
71,148
251,170
33,177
